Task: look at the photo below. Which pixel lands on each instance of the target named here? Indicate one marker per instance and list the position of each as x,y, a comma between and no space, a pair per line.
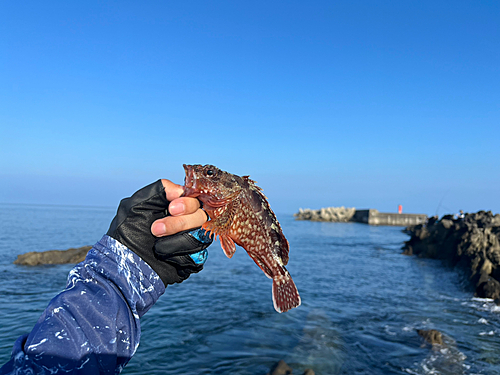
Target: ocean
362,302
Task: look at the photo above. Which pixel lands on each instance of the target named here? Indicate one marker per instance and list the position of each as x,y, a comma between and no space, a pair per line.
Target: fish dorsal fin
251,182
259,202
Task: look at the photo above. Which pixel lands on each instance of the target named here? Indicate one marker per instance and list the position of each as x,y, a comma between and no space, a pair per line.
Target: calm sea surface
361,303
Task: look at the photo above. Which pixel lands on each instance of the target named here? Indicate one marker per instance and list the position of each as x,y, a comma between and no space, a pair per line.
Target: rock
471,242
334,214
489,289
281,368
34,258
445,358
432,336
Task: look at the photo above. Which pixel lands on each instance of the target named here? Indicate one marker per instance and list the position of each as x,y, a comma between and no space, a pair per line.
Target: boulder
431,336
281,368
34,258
489,289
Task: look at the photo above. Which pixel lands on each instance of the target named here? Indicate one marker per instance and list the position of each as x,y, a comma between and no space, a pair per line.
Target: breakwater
471,242
368,216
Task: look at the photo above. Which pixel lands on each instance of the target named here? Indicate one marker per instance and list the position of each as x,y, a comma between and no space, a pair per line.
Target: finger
172,190
174,224
183,206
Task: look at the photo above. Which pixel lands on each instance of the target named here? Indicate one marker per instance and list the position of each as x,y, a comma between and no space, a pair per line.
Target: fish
240,214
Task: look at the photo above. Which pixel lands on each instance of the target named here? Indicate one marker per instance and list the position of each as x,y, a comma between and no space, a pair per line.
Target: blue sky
365,104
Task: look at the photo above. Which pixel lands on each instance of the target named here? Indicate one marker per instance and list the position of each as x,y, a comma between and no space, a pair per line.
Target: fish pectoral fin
228,245
221,225
209,227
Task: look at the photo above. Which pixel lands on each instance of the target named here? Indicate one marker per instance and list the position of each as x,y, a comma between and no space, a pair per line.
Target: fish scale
240,214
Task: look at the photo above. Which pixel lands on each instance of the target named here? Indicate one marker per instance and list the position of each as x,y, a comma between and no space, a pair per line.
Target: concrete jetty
374,217
367,216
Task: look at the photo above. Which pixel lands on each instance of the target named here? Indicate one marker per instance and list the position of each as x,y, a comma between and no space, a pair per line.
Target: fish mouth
190,182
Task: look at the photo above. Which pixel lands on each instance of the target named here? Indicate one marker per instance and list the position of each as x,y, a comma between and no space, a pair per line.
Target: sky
366,104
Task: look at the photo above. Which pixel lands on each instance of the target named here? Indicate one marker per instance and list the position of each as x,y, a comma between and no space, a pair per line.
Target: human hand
170,241
185,213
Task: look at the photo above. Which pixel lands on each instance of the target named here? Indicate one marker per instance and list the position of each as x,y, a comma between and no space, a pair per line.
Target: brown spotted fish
240,214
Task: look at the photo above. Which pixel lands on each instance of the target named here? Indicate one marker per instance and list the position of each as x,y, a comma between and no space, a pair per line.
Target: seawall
374,217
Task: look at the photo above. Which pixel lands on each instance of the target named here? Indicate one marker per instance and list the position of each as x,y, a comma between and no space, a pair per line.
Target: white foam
477,299
490,333
482,304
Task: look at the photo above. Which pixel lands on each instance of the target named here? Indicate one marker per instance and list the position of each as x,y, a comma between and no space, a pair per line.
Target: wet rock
34,258
432,336
281,368
471,242
445,358
489,289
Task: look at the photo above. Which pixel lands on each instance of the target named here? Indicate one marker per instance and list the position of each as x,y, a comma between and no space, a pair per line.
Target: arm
93,326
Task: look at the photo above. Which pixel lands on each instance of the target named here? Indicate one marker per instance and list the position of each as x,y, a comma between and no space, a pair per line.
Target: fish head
209,183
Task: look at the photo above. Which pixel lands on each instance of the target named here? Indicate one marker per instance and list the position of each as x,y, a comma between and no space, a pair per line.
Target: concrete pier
370,216
374,217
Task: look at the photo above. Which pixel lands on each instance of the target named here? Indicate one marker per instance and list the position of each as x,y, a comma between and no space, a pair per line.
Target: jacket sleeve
93,326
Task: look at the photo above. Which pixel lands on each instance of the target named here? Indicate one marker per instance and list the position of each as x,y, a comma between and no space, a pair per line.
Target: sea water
362,302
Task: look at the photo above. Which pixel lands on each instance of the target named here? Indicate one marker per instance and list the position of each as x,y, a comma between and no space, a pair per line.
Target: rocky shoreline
471,242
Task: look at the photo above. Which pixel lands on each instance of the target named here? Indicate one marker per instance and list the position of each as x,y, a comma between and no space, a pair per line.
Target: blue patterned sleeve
93,326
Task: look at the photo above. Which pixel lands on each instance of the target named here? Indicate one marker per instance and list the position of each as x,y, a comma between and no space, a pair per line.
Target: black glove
173,257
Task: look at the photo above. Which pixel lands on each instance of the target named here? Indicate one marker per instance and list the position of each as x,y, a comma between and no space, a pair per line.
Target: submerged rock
444,358
471,242
34,258
281,368
432,336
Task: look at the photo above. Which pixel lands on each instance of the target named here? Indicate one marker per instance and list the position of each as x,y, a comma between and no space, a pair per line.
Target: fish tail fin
285,293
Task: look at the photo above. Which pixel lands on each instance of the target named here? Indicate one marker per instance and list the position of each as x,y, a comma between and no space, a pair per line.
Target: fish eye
209,172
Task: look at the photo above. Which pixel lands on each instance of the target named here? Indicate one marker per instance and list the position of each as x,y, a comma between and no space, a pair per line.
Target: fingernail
176,208
158,229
